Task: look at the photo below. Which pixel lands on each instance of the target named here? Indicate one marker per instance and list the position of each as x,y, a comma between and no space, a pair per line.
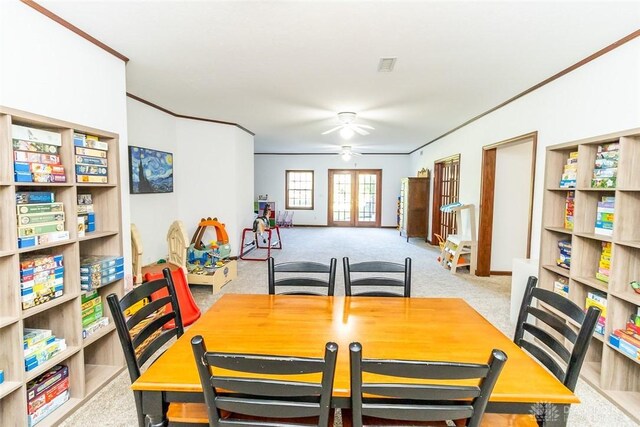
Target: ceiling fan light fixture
346,153
346,132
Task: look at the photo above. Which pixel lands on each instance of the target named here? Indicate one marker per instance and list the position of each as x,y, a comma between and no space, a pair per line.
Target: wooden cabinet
96,360
414,207
603,245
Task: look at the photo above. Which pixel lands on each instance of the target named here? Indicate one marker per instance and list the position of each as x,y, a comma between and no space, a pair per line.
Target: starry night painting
150,171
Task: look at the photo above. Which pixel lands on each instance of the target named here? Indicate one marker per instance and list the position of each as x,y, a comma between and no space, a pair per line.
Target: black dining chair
387,286
144,333
247,398
299,284
572,356
427,401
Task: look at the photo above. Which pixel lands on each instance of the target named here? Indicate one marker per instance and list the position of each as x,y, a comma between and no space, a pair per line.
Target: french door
446,186
354,197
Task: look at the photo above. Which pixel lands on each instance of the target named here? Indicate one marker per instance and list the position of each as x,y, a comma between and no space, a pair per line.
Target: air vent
386,65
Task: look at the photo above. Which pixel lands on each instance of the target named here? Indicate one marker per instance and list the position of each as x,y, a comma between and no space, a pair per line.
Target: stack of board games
100,270
570,172
91,159
564,257
561,286
604,264
606,166
40,345
599,300
568,210
36,155
627,340
46,393
86,215
92,314
41,279
40,219
604,216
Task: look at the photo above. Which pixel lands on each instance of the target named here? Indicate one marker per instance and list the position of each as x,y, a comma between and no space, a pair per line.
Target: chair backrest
247,396
547,324
422,401
302,285
288,221
384,284
142,337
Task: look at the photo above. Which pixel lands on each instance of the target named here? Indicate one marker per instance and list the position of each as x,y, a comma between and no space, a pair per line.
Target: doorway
354,197
506,198
446,187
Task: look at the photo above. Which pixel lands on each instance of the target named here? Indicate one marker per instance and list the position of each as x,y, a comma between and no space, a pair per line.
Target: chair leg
141,418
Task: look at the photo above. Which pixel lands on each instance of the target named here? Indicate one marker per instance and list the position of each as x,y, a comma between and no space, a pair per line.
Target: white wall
49,70
213,177
511,204
153,213
600,97
216,176
270,179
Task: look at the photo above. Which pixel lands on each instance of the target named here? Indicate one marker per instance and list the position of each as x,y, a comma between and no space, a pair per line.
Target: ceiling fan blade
332,130
365,126
359,130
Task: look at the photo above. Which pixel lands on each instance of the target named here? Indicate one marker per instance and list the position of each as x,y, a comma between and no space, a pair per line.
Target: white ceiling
283,69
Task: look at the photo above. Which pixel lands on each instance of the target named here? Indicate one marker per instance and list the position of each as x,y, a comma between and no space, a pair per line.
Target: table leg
155,407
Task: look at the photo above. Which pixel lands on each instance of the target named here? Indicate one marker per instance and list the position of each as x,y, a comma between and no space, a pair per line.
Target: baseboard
317,225
500,273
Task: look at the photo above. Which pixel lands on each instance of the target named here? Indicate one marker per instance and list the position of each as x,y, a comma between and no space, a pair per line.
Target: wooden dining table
437,329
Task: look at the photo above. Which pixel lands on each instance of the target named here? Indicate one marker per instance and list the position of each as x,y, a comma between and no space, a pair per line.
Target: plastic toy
635,285
188,307
202,259
204,265
260,236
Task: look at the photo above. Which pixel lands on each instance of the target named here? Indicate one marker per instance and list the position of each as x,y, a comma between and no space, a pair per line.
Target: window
299,190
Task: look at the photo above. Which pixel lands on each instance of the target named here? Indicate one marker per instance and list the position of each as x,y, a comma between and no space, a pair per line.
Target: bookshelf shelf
48,305
615,375
558,270
630,243
623,354
593,283
594,236
62,412
8,387
93,362
101,333
559,230
631,297
8,320
99,374
97,235
59,357
47,246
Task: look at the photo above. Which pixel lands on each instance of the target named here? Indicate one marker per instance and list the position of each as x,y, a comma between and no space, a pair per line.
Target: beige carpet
114,406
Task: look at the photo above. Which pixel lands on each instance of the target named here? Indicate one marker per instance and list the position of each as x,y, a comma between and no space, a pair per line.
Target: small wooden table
446,329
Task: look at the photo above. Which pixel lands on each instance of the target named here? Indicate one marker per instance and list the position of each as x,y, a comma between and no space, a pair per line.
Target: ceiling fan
346,153
348,128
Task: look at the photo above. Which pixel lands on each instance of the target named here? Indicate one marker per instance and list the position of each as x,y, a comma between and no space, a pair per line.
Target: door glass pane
341,197
367,197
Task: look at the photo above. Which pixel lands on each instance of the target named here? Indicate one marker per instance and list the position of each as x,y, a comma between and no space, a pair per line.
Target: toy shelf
92,363
614,374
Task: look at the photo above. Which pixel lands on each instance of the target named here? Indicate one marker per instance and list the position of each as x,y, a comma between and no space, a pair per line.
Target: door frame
354,191
436,214
487,198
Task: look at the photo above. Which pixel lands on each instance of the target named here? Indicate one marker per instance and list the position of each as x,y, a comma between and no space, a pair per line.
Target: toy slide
188,308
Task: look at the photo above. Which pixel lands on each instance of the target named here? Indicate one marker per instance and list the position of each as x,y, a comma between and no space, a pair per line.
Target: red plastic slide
188,308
